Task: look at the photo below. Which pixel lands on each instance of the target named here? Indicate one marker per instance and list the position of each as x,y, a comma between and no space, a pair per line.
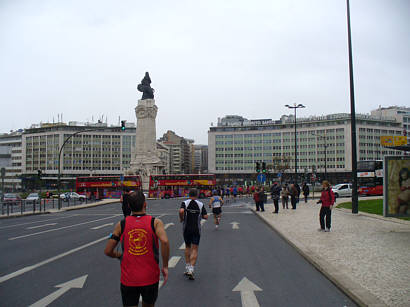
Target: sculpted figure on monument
145,88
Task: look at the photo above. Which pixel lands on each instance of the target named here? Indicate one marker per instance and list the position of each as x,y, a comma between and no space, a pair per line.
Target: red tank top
139,264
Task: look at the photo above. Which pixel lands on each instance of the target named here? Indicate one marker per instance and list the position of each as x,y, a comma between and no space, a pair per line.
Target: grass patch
373,206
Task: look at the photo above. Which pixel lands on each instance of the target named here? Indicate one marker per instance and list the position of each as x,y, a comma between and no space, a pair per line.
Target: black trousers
325,212
293,201
276,204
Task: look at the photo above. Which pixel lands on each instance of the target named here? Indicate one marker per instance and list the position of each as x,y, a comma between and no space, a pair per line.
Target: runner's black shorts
217,211
131,295
191,238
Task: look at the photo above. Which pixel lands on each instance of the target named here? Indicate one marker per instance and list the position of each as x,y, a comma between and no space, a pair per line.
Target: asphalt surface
33,263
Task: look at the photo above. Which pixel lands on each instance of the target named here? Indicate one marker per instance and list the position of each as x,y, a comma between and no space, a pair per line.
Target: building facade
180,149
11,159
97,150
401,114
200,159
235,146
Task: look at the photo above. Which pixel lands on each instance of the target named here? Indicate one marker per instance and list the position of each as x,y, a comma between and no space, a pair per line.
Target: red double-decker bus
168,186
99,187
370,177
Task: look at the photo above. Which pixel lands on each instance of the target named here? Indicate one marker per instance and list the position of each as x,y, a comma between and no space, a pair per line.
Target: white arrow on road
235,225
44,225
246,287
75,283
101,226
168,224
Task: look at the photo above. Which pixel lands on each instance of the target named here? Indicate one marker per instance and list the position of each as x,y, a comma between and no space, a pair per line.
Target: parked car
72,195
33,197
11,198
342,190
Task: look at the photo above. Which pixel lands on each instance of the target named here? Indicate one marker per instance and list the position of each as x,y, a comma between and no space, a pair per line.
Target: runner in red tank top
139,234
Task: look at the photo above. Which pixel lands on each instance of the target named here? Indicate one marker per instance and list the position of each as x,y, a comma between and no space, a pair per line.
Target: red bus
370,177
99,187
168,186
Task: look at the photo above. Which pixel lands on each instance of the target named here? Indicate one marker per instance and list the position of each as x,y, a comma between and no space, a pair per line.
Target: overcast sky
206,59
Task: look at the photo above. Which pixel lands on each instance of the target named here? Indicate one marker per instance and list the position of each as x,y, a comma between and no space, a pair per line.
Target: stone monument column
145,160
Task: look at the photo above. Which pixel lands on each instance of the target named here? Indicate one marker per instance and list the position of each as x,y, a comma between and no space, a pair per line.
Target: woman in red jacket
327,199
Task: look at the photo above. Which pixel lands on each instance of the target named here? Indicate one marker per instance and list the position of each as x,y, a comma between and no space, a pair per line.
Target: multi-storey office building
11,159
180,159
97,151
401,114
236,144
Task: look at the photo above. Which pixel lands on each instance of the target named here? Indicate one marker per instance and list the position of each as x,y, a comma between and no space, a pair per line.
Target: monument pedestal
145,160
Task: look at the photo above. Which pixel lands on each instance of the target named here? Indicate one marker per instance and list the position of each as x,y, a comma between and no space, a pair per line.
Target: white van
342,190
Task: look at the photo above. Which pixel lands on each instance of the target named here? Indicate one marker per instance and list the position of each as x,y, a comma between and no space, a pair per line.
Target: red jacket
256,197
327,197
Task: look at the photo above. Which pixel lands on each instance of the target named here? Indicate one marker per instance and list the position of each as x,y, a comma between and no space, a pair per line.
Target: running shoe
191,275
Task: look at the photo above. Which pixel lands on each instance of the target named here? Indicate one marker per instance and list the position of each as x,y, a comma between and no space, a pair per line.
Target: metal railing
33,206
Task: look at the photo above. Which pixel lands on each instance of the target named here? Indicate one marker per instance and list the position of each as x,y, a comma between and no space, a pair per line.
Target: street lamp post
294,107
59,162
325,139
355,201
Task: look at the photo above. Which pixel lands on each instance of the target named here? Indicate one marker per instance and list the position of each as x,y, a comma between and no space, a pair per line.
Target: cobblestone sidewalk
368,256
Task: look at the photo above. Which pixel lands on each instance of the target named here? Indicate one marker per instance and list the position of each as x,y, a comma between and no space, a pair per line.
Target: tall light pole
59,161
355,201
294,107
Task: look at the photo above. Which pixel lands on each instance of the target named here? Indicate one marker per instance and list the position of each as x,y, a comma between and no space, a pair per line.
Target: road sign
261,178
279,175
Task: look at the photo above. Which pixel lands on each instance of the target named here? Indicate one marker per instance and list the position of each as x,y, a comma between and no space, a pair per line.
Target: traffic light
123,125
263,167
257,167
39,173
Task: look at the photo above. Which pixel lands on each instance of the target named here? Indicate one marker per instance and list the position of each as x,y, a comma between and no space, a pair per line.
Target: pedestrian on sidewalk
298,189
262,198
293,195
139,234
305,189
327,199
190,214
256,199
275,192
285,196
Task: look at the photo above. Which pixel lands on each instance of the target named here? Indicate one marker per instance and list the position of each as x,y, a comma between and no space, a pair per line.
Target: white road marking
35,266
168,224
65,227
75,283
182,246
102,226
58,218
173,261
246,287
33,227
235,225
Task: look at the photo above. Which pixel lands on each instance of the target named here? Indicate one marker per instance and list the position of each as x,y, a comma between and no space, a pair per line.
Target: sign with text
396,140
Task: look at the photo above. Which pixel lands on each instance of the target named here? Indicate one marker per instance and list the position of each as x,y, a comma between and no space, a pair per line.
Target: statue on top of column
145,88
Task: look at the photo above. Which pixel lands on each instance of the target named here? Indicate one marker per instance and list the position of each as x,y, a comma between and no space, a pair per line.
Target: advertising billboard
396,200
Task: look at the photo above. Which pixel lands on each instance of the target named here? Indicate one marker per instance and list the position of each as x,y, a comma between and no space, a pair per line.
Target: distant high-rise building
180,160
200,159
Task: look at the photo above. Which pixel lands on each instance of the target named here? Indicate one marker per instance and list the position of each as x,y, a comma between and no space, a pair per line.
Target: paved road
33,263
